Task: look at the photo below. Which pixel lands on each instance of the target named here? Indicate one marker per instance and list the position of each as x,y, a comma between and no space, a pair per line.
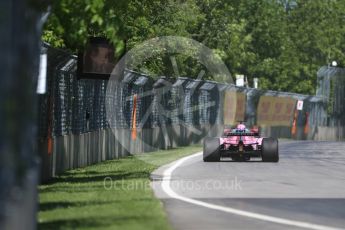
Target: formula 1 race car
240,144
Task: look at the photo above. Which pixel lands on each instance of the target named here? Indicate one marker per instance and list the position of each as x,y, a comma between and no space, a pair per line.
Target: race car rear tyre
211,149
269,150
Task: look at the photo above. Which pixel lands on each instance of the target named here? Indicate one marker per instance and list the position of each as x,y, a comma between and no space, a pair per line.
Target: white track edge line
168,190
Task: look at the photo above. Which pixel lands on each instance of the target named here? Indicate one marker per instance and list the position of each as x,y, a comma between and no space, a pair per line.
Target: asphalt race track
305,190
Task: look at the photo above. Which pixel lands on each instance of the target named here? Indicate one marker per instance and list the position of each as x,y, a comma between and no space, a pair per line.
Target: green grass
83,199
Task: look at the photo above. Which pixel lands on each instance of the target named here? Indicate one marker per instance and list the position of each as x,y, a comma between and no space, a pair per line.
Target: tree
282,42
317,34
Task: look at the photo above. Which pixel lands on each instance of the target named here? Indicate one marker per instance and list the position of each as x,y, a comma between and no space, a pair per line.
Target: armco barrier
169,113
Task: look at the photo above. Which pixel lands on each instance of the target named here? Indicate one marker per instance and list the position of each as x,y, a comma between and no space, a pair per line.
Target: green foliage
53,39
282,42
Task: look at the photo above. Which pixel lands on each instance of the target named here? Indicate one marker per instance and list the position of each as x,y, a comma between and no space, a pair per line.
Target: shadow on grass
96,222
88,183
48,206
97,176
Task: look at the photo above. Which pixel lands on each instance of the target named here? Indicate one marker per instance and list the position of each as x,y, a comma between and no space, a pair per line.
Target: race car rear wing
242,134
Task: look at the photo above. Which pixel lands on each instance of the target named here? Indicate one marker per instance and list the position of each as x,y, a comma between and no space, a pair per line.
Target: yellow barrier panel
275,111
234,107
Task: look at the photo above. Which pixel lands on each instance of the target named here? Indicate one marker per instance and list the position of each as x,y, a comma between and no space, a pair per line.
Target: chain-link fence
81,123
331,87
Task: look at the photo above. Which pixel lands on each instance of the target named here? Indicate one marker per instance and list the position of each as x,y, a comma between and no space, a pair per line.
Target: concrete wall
74,151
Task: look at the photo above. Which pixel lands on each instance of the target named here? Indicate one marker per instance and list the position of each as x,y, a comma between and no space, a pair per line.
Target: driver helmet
241,127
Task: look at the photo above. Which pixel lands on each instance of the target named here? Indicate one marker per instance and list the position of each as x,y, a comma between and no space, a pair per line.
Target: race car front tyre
211,151
269,150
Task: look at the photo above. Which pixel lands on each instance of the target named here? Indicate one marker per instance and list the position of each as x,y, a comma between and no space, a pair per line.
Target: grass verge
114,194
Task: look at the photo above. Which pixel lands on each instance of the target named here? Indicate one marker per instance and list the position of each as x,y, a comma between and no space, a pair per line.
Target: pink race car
241,144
